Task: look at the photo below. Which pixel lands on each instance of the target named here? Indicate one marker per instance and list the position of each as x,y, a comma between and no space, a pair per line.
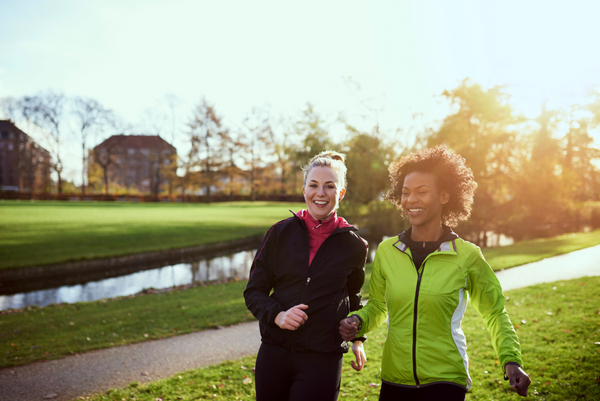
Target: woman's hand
292,318
518,379
359,353
349,328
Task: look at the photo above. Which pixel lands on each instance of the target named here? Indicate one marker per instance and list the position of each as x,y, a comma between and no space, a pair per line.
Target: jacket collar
446,243
446,247
342,224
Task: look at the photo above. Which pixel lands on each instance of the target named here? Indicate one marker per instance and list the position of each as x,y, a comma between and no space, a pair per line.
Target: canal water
226,265
231,266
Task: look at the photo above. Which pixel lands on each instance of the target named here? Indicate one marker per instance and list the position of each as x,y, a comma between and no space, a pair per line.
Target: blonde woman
306,277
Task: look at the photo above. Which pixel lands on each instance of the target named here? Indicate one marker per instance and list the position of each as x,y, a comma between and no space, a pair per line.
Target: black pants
297,376
434,392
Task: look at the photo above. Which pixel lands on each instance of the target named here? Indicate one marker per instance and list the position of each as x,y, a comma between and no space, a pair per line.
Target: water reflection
236,265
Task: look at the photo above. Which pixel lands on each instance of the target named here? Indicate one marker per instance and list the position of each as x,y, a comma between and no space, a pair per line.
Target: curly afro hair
451,175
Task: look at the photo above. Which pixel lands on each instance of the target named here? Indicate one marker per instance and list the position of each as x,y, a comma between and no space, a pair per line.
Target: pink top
319,231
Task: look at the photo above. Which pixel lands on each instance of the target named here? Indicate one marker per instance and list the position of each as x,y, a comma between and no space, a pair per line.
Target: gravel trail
98,371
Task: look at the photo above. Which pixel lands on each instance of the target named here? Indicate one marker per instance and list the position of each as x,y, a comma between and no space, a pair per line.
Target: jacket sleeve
487,298
374,313
355,281
354,286
261,281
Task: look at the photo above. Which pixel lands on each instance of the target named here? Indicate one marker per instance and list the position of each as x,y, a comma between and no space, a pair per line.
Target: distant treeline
92,197
536,176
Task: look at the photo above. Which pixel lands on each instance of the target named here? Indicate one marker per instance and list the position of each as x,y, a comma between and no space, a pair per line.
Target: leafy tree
367,162
483,131
579,173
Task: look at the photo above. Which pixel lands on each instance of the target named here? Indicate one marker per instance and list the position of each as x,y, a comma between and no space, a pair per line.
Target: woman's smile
322,192
422,202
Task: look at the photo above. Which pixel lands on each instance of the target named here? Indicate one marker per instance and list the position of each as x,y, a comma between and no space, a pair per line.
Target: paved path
585,262
96,372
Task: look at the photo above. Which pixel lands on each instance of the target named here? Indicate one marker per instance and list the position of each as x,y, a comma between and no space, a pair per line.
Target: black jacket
330,286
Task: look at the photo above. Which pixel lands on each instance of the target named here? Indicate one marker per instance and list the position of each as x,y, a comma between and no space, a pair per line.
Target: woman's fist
292,318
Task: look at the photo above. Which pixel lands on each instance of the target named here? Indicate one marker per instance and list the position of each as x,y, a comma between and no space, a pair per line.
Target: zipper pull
307,280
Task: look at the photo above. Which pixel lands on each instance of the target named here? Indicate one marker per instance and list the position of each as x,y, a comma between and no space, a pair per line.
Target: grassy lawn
557,323
59,330
524,252
50,232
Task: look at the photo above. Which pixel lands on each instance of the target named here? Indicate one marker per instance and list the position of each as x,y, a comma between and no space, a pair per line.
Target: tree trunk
482,239
230,178
105,169
59,182
252,190
83,172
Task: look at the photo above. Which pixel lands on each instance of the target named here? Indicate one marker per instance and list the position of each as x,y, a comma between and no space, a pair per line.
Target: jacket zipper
301,300
308,270
306,286
414,347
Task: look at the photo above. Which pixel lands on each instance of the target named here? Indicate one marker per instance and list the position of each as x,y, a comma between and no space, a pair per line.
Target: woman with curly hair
422,279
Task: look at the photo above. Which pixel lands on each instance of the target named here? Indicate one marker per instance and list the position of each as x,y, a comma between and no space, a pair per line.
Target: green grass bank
41,233
529,251
56,331
558,325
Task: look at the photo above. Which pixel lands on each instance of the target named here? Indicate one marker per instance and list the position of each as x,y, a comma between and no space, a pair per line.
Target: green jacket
425,343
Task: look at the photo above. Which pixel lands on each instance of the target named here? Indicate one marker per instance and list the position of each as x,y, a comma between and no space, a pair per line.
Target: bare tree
10,108
173,103
191,162
90,116
206,125
164,118
279,138
104,157
231,145
257,129
105,154
32,164
47,110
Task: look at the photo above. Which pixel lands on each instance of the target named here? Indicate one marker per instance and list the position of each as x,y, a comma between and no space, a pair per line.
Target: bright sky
239,54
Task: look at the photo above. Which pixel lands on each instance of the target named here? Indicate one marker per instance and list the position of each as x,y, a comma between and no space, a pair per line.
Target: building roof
136,142
9,125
